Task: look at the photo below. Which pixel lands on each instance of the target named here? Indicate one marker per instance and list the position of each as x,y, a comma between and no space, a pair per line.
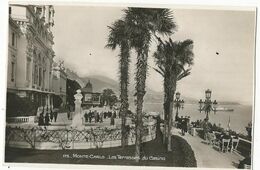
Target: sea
239,118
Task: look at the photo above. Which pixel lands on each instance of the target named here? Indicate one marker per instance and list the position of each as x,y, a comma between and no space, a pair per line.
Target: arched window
39,70
35,73
39,58
34,53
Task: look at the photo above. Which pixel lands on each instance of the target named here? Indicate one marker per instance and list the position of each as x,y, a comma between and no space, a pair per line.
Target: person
101,116
41,120
179,124
112,120
86,116
188,124
183,122
109,114
245,161
51,115
105,115
177,118
47,119
90,116
114,114
205,126
55,114
98,116
95,116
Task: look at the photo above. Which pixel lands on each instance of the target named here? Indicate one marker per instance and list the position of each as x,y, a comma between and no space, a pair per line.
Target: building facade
59,84
14,35
90,98
31,54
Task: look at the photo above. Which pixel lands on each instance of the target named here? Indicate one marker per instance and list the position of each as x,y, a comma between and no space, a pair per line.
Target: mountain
228,103
73,76
102,82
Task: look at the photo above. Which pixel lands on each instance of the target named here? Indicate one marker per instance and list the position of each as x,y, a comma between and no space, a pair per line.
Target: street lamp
182,104
177,95
207,105
178,103
208,94
201,104
215,104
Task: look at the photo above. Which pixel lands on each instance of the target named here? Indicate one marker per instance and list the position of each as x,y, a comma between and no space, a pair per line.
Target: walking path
207,156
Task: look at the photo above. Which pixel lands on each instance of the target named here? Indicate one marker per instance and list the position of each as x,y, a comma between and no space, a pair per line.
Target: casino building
30,53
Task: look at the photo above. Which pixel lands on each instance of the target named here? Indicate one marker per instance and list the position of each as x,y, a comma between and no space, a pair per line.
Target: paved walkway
207,156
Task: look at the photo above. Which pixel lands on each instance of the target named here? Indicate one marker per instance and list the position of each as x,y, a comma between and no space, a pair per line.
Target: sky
80,36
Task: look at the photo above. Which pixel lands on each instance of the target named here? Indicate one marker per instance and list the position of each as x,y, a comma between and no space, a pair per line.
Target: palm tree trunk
167,92
166,113
169,148
124,77
140,92
171,88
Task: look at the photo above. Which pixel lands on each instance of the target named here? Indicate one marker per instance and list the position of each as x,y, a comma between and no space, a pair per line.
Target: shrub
188,154
17,106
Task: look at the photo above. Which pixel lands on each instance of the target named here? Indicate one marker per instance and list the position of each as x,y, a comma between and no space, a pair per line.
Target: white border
220,4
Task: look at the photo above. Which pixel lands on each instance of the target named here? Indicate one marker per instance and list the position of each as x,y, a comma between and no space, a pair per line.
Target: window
35,74
34,54
13,39
43,81
12,71
40,76
10,10
28,69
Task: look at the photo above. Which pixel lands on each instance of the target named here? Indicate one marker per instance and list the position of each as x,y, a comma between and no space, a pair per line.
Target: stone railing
21,119
63,138
243,147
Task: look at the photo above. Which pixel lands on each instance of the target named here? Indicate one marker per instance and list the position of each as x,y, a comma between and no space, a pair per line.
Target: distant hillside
228,103
73,76
101,82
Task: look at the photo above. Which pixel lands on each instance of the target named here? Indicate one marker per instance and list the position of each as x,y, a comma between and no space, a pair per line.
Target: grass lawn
154,151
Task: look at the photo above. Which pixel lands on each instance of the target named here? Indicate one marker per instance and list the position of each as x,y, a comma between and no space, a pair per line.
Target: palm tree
172,59
143,23
118,37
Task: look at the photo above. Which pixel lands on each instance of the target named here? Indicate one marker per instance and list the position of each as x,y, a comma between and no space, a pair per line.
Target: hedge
188,154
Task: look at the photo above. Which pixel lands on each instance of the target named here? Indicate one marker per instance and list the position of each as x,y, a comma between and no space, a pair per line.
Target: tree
119,37
142,24
108,96
173,60
72,87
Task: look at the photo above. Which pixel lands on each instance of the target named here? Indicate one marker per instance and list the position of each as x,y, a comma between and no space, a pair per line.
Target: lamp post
178,103
207,105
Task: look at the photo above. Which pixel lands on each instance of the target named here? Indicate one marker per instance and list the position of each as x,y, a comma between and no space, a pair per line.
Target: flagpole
229,122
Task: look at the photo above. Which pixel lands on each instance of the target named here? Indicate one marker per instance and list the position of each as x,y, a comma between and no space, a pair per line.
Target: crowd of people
183,123
47,116
98,117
